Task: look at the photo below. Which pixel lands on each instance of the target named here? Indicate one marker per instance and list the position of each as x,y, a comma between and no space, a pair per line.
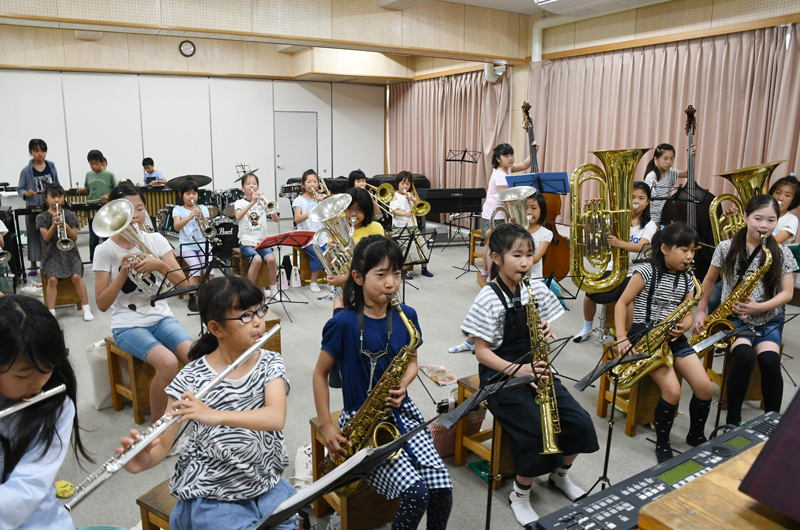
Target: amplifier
617,507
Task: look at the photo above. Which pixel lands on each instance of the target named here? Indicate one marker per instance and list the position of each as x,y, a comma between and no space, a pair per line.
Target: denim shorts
250,252
770,332
138,341
313,260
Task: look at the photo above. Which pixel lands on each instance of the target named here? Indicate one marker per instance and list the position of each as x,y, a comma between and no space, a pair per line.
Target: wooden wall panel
31,47
524,44
110,52
363,21
150,53
120,11
39,8
224,15
304,62
615,27
491,32
662,19
735,11
430,65
358,63
558,38
434,25
216,57
263,59
301,18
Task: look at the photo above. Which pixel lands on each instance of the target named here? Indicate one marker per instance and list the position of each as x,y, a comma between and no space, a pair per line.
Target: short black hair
355,175
400,177
791,180
147,162
125,189
53,189
186,185
37,142
245,177
363,200
95,156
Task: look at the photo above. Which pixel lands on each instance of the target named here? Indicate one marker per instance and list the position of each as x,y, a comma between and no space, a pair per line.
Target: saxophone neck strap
516,297
743,270
373,356
655,279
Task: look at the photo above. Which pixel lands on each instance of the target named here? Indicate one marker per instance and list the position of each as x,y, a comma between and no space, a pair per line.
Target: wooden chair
465,442
638,402
364,509
474,237
241,266
753,389
156,506
141,375
67,295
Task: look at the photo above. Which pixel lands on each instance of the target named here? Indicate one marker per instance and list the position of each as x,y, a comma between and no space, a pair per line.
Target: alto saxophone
369,426
718,320
656,344
545,393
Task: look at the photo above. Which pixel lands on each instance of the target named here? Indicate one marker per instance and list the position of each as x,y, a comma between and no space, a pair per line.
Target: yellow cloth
373,228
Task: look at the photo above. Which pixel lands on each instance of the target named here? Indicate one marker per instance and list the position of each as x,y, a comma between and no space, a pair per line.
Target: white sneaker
266,294
314,287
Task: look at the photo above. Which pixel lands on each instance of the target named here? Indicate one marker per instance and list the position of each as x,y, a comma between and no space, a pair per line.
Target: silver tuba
209,232
330,212
115,218
515,205
64,243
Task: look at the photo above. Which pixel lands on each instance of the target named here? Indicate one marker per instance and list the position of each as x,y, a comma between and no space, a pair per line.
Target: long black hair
503,239
541,201
28,332
307,173
651,166
369,253
738,252
218,297
792,181
124,189
355,175
644,218
187,185
362,199
500,150
673,235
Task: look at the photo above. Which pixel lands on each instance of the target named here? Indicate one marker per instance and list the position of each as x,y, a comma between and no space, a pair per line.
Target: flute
35,399
117,462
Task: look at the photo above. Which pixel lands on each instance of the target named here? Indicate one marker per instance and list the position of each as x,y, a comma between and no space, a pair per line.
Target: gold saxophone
718,320
368,427
545,393
656,344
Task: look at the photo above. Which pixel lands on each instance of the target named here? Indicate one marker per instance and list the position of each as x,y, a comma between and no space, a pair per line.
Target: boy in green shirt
98,184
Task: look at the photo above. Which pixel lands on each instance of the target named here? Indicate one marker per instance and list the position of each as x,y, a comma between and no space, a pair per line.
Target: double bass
556,259
691,204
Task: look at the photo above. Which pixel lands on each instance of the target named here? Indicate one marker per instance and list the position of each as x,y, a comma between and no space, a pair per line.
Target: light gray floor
441,304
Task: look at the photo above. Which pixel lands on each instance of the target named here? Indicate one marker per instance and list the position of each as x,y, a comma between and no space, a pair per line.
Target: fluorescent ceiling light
542,2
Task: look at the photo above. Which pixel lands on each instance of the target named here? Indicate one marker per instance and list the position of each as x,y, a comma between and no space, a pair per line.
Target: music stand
462,157
298,238
551,182
409,238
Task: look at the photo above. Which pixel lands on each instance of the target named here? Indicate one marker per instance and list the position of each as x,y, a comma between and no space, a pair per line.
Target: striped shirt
486,316
229,463
659,191
669,292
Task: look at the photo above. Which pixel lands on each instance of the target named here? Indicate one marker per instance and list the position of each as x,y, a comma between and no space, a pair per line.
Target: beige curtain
745,87
429,118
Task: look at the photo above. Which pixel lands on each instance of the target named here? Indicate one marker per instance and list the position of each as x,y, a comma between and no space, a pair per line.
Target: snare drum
208,199
291,190
227,237
166,224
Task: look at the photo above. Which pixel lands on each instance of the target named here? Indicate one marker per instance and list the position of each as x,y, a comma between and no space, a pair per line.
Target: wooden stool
156,506
242,265
300,260
638,402
753,389
362,510
141,375
502,454
67,295
474,236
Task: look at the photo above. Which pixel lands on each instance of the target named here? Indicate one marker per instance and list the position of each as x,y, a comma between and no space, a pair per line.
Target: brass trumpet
65,244
382,195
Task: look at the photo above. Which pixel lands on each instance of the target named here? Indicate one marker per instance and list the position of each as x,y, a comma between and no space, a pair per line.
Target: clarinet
117,462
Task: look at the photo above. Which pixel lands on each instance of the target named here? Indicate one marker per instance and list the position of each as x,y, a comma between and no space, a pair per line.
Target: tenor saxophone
656,344
546,392
718,320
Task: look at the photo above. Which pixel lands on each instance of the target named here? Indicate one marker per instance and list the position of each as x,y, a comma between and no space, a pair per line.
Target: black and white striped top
669,292
229,463
486,316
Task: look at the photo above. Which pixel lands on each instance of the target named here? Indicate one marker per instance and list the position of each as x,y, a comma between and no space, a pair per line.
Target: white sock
587,327
52,311
87,312
273,288
560,480
520,500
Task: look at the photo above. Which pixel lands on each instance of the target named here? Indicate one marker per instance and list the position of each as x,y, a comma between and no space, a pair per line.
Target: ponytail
651,166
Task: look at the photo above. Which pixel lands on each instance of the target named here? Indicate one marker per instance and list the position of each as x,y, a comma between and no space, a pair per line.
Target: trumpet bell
113,218
65,244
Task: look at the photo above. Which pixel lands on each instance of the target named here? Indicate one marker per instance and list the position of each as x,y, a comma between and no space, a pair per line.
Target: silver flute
8,411
117,462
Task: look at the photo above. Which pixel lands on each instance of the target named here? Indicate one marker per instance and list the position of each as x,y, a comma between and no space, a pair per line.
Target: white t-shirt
400,202
540,236
659,191
132,308
789,223
637,234
498,178
253,224
3,229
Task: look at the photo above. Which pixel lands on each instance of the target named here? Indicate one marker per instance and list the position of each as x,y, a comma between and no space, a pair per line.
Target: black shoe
193,303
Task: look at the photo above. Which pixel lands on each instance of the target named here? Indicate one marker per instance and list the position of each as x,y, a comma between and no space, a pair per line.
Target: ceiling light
543,2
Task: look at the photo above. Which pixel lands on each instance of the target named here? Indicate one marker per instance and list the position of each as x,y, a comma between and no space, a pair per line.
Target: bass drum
207,198
227,238
165,222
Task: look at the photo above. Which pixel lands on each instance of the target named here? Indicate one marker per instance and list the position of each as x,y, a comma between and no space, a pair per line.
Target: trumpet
382,195
270,207
115,218
64,243
330,212
209,232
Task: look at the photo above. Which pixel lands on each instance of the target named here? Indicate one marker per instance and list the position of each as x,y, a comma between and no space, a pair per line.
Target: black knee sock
769,362
663,419
698,414
744,359
413,503
439,506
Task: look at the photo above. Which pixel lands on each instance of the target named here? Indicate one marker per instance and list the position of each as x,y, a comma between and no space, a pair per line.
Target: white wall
358,128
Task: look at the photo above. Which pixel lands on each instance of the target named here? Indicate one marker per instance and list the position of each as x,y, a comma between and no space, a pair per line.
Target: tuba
330,212
514,205
749,182
590,226
656,345
64,243
209,232
115,218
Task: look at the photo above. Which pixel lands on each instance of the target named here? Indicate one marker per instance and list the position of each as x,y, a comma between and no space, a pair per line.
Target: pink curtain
745,87
429,118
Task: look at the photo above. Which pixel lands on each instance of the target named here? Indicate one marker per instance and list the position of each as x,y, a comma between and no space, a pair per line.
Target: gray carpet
441,302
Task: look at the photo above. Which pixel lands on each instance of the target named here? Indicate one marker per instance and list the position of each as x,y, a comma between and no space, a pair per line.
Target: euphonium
330,212
656,344
115,218
718,320
599,218
209,232
514,205
749,182
545,392
369,428
64,242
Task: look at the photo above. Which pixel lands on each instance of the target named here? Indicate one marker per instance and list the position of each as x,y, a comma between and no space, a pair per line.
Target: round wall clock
187,48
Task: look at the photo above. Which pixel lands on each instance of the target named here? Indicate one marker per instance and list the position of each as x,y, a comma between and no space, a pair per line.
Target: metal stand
282,297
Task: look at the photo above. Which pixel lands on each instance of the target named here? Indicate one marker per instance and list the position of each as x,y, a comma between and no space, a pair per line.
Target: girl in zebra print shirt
231,468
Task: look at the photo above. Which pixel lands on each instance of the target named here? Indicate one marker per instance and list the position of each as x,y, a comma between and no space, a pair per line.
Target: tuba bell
115,218
330,212
515,205
749,182
593,221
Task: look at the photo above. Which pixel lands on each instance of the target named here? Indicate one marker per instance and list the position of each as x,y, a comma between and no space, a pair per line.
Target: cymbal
251,172
200,180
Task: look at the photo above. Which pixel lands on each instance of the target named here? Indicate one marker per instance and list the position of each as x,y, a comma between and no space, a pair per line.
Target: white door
295,150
